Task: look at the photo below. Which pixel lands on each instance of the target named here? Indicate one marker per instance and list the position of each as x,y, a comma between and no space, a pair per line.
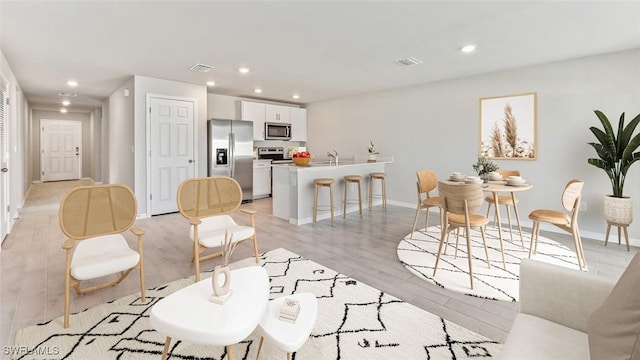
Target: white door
4,161
60,149
172,150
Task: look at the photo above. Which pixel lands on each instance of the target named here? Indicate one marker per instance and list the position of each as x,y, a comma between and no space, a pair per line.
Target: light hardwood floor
32,261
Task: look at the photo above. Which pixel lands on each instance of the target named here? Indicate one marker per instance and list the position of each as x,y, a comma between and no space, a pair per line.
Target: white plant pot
371,158
618,210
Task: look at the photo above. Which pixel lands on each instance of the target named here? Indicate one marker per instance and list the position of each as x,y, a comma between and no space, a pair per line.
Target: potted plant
372,152
615,156
483,167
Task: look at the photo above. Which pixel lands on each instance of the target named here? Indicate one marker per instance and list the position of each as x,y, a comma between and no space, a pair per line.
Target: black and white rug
355,321
418,255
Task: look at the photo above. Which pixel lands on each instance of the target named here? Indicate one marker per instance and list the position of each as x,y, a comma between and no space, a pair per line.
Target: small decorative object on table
222,292
484,166
301,158
289,310
372,152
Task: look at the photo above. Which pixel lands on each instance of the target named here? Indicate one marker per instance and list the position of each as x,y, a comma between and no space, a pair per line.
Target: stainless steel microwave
277,131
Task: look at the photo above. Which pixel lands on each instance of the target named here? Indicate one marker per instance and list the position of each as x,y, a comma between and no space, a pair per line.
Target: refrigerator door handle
232,154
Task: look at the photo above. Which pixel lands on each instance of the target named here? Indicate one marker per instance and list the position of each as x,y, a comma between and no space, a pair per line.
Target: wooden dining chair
207,204
568,222
508,201
93,218
427,182
459,204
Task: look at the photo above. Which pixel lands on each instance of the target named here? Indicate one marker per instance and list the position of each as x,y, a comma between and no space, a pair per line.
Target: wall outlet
583,206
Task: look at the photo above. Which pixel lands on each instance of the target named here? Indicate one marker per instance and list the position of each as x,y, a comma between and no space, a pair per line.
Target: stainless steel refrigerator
230,152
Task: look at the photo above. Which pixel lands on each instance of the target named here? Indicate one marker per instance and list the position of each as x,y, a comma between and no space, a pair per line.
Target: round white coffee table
188,314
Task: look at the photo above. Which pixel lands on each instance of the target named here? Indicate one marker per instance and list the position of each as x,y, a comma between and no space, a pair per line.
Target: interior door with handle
60,150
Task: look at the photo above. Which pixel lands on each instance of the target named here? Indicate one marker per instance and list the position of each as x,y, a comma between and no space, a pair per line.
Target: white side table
188,314
284,335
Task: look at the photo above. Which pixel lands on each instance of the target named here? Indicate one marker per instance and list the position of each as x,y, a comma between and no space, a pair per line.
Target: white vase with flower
221,277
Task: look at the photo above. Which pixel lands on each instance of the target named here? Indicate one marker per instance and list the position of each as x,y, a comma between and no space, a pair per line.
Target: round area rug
418,254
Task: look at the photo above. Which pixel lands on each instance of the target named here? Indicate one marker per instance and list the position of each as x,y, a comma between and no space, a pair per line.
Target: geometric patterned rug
418,255
355,321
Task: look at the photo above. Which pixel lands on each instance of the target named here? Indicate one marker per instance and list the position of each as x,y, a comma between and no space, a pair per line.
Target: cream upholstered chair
459,204
508,202
207,203
427,181
568,222
94,218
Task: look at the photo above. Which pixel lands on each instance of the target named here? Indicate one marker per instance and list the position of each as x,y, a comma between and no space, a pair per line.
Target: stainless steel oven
277,131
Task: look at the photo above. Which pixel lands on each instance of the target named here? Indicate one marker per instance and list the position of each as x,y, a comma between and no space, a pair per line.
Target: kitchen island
293,188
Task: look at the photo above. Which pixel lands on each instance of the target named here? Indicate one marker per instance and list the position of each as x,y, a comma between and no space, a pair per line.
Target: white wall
144,86
120,132
435,126
87,155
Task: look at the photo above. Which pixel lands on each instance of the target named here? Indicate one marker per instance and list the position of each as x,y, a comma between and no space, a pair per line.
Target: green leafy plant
484,166
372,149
615,150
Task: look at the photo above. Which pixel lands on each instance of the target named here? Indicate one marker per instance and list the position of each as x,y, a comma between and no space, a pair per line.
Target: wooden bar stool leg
370,192
315,204
384,193
331,202
360,198
344,211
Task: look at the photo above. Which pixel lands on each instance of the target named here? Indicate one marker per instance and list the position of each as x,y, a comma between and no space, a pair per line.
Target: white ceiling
319,49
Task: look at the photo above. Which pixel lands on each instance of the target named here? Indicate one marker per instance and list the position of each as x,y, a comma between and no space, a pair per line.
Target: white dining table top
497,186
188,314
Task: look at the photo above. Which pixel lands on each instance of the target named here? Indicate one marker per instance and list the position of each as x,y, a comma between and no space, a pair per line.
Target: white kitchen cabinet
261,178
298,117
277,113
254,111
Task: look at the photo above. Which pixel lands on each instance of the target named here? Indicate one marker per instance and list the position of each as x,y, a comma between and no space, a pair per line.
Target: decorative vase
371,158
218,289
618,210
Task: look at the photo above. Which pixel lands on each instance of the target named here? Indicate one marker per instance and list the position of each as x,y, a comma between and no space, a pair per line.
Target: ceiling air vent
408,61
67,94
201,68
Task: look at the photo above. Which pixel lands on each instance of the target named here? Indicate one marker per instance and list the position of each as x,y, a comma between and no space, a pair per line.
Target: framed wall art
508,127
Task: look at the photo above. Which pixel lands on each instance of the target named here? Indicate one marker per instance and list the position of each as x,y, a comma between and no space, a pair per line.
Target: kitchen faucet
333,155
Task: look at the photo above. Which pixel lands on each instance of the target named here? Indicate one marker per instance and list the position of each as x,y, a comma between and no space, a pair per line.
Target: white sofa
555,305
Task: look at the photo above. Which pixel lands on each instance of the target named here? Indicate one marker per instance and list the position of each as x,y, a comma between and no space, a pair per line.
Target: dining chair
427,182
508,202
93,218
568,222
459,204
207,204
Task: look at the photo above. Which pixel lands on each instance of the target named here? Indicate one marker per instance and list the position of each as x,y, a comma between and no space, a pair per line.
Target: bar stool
378,176
355,179
322,182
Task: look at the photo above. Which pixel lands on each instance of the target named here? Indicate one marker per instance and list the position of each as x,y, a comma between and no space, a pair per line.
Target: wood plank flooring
32,261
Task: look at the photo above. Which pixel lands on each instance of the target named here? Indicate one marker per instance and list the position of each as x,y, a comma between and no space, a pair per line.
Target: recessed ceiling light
296,96
468,48
63,110
211,83
72,83
243,70
258,91
66,103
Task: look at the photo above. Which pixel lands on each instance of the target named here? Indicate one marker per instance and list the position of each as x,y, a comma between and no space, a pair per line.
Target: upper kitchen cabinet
254,111
298,118
277,113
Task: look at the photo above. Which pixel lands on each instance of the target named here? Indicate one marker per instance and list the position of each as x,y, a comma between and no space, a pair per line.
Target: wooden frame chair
207,203
427,181
507,201
571,197
459,204
94,218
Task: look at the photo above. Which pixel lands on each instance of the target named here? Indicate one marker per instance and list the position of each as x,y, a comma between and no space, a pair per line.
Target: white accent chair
207,203
555,306
94,218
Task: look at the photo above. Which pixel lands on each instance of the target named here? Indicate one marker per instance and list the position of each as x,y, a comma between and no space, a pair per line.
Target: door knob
4,169
190,161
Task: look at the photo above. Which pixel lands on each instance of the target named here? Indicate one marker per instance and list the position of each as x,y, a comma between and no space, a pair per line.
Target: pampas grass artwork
508,127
